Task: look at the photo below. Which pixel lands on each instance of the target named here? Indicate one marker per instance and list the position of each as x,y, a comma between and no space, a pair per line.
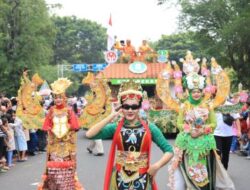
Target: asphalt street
91,169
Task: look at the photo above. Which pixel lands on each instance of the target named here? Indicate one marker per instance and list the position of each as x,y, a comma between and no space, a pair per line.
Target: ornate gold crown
130,88
60,85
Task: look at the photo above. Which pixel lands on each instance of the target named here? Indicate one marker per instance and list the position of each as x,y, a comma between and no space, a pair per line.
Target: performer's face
58,99
130,109
196,94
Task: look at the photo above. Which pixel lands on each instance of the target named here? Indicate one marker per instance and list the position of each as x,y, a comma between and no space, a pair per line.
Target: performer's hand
118,108
152,170
116,112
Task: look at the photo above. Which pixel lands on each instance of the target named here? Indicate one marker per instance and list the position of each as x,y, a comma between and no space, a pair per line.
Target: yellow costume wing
29,108
222,82
163,88
99,105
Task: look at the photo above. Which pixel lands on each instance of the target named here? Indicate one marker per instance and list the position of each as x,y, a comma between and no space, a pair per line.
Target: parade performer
195,165
61,124
145,48
128,51
129,160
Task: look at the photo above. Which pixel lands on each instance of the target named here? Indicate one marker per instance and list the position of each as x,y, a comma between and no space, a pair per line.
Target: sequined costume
130,154
62,125
129,166
195,166
196,156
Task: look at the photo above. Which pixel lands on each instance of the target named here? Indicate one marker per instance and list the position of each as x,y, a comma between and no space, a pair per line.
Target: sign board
111,56
98,66
95,67
80,67
141,81
138,67
162,56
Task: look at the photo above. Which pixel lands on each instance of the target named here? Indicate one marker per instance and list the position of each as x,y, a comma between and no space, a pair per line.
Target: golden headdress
131,90
60,85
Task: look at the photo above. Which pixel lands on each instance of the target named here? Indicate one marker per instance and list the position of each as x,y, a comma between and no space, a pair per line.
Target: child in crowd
245,144
20,140
9,141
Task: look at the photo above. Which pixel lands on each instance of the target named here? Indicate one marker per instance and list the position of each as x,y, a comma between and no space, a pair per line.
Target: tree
223,27
26,39
78,41
178,44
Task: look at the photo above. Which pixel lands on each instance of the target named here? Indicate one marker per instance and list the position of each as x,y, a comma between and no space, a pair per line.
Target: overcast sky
133,19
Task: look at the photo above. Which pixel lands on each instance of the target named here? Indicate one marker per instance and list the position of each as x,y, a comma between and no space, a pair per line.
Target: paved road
25,176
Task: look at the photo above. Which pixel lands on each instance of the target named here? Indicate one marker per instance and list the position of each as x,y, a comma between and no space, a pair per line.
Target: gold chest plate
60,126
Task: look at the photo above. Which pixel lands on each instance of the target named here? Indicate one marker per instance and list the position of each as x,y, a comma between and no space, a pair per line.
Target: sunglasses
133,106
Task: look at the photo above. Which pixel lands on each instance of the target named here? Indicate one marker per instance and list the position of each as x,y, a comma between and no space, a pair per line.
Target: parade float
143,67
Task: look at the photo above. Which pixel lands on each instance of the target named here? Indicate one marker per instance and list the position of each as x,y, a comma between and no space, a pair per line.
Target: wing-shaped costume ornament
163,88
29,108
222,83
99,105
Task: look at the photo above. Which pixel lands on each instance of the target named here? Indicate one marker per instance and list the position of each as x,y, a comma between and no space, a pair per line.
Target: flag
111,39
45,89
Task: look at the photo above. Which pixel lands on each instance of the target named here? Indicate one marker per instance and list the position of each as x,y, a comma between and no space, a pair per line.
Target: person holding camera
223,133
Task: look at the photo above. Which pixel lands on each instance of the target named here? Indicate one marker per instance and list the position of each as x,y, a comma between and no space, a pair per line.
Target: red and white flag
110,33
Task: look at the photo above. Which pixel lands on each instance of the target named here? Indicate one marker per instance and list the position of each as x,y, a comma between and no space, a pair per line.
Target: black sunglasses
133,106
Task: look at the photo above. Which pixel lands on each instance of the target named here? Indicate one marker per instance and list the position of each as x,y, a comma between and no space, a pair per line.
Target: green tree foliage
178,44
26,39
78,41
222,27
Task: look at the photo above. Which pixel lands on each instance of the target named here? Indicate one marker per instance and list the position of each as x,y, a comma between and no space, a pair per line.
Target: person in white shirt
223,134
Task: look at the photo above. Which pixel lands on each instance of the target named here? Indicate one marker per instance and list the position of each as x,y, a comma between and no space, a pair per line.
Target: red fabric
47,125
117,141
72,119
243,122
131,96
110,20
243,125
112,157
154,185
64,164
